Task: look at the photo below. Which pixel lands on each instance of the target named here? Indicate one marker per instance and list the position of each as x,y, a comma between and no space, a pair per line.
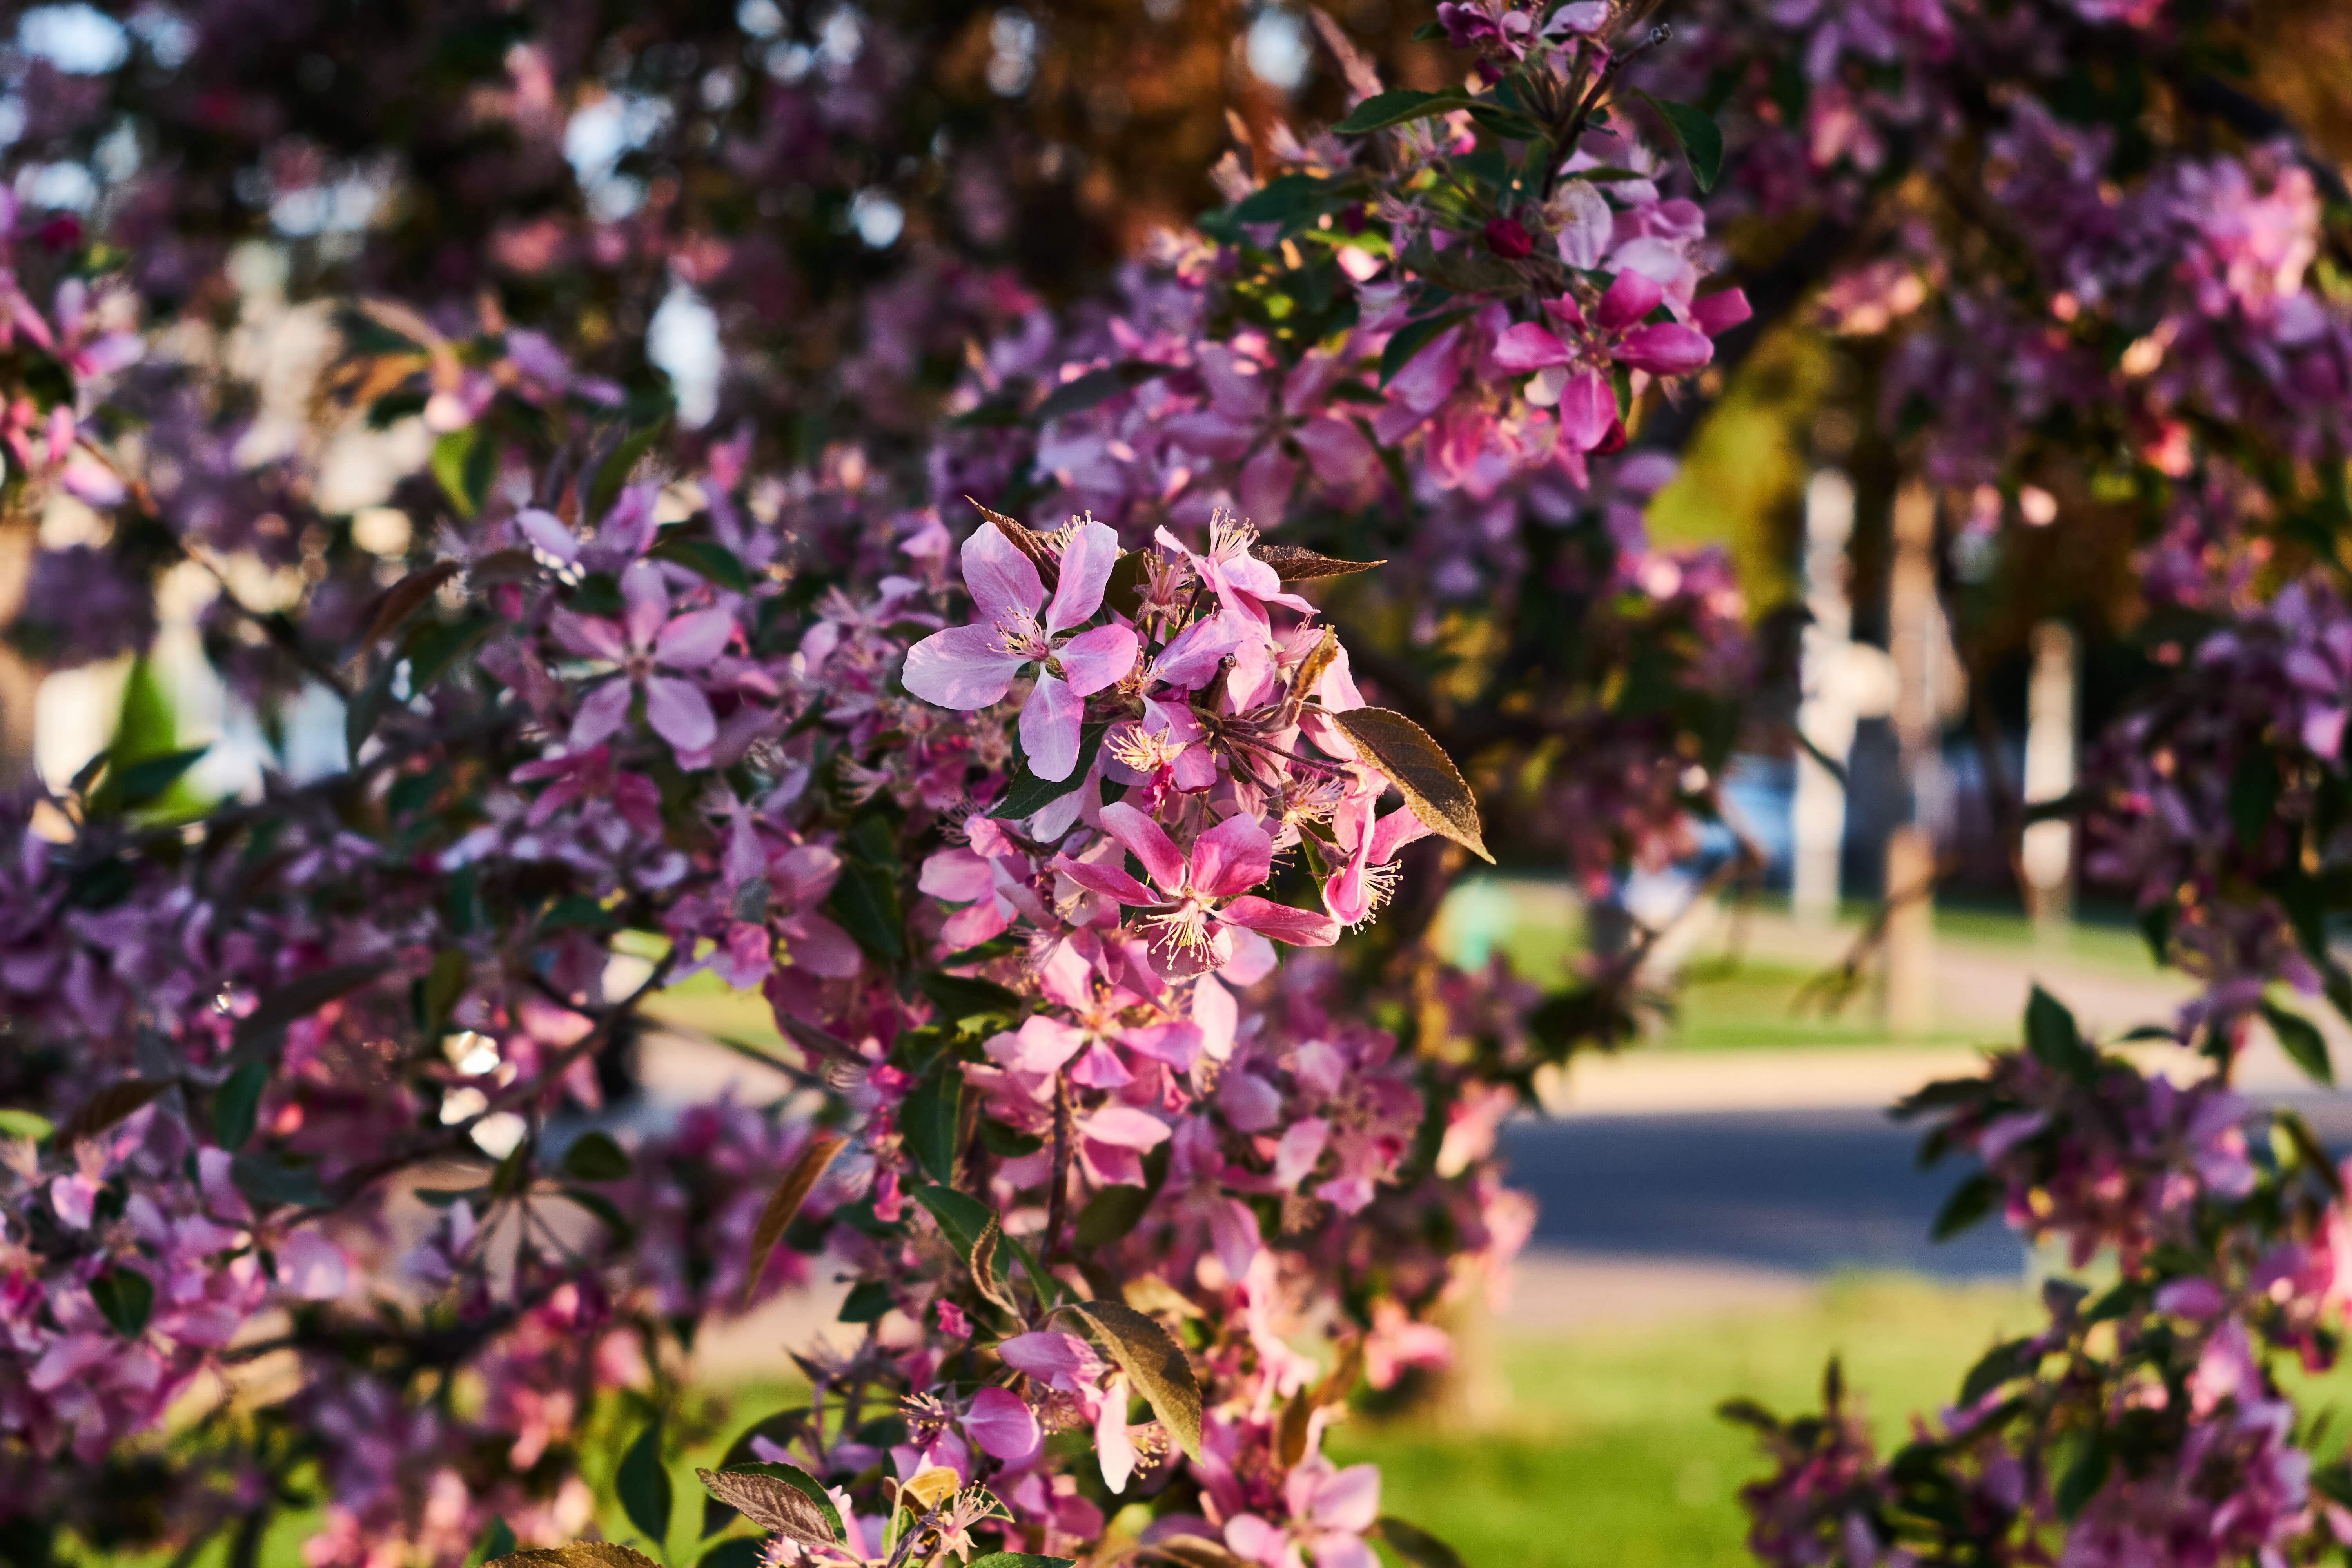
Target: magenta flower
973,666
1200,896
646,641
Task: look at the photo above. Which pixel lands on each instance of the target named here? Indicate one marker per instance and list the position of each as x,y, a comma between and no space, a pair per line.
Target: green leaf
496,1541
777,1501
614,471
708,558
367,706
579,1554
125,1296
1296,563
960,997
1398,106
781,1428
29,1125
1696,132
444,984
1432,785
604,1209
237,1106
644,1486
1998,1366
784,1202
868,1300
865,901
1508,123
596,1156
2082,1476
1290,201
1154,1363
1111,1214
1096,386
961,1216
1416,1545
1971,1201
926,1120
269,1182
2304,1045
1411,338
464,462
1026,793
129,786
2054,1038
2254,797
577,910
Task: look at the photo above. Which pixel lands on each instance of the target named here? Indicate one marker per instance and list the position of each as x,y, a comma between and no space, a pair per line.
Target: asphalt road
1809,1190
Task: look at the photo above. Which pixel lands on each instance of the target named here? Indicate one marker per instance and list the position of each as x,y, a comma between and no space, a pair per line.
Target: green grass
1612,1453
1761,1004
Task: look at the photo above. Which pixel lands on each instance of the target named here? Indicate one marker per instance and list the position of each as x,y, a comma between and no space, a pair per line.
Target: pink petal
1125,1127
1397,829
311,1267
1095,659
1049,728
1716,314
1191,661
1003,582
1087,563
1528,347
1338,450
604,711
1145,840
1107,880
1113,1446
1040,1046
962,666
814,943
1266,484
546,531
589,637
1003,1425
693,640
1100,1068
1632,296
957,876
1588,407
1667,349
1177,1043
647,599
1231,857
1300,927
679,714
1350,1499
1059,1361
1249,1102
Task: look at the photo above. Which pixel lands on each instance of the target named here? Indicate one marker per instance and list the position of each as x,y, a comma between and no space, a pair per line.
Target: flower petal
1107,880
1669,347
647,602
546,532
1191,661
1093,660
1632,296
962,666
1003,582
1049,728
1588,407
1087,563
1234,856
604,711
1004,1425
1528,347
681,713
591,636
692,640
1299,928
1147,842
